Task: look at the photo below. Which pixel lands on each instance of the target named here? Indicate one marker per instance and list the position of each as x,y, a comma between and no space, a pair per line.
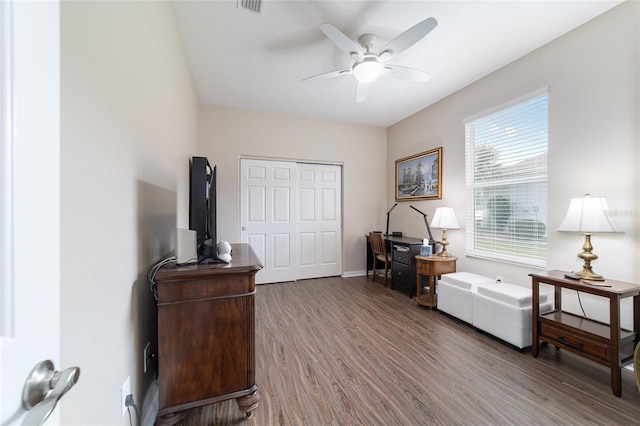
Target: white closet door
319,220
291,215
268,216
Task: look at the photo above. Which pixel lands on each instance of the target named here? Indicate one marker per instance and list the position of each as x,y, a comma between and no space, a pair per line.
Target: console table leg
249,403
614,321
535,312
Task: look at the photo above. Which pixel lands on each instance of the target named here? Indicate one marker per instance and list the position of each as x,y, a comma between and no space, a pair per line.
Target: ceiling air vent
254,6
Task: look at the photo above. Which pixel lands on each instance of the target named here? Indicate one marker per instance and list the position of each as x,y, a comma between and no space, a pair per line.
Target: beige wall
593,78
129,123
227,134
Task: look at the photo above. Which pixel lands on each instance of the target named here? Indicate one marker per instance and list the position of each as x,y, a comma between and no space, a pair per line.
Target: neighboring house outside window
506,182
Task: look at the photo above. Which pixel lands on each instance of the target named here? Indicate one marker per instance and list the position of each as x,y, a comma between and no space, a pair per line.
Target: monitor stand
208,254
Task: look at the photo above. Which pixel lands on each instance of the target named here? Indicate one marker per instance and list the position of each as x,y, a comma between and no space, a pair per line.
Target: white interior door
319,220
29,197
291,215
268,216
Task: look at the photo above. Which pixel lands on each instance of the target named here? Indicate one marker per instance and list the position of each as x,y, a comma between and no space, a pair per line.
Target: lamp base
444,243
588,274
587,256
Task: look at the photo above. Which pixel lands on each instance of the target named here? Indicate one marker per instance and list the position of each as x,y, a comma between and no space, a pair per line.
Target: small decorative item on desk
224,251
425,248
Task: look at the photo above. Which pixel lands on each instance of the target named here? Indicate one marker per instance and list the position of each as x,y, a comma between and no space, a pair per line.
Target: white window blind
506,182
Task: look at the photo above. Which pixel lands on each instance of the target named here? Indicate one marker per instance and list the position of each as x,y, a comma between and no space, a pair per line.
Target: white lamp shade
444,218
588,215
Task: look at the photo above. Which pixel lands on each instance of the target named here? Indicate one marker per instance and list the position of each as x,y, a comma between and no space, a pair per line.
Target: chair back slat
378,245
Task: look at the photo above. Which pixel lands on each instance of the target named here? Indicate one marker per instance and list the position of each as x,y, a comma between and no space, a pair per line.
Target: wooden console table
206,335
432,267
606,344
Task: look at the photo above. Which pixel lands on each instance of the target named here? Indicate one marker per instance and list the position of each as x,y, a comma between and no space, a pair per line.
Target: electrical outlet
146,356
125,391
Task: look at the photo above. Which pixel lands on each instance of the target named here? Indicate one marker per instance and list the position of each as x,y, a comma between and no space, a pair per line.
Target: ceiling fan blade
408,38
330,74
361,92
342,41
406,73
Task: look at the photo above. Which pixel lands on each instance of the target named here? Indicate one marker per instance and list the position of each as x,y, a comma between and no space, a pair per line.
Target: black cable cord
580,301
129,402
153,271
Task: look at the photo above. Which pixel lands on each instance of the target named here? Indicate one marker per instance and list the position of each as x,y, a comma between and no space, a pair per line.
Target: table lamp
588,215
444,219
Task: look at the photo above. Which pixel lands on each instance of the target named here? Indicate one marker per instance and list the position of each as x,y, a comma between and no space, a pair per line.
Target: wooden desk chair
379,249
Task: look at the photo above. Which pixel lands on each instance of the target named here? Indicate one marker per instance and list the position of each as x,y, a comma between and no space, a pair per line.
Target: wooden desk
432,267
402,251
606,344
206,335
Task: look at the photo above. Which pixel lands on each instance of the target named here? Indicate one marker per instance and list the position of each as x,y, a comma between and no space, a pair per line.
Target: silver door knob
44,388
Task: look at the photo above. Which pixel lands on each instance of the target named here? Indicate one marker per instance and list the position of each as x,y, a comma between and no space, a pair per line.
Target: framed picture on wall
419,177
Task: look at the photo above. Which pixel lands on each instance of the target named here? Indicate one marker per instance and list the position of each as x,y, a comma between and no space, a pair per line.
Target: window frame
520,235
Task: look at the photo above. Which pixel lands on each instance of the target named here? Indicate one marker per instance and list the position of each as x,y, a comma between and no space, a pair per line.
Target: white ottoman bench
500,309
455,293
504,310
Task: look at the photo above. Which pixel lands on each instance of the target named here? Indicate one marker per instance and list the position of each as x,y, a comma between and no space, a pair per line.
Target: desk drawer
401,254
566,337
400,272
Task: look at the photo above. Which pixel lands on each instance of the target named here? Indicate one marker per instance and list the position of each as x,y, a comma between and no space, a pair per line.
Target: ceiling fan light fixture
368,70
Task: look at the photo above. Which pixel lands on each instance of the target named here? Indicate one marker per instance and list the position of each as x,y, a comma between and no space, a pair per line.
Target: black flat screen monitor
203,207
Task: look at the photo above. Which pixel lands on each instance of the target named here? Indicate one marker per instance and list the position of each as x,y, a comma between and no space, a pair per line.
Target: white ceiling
257,61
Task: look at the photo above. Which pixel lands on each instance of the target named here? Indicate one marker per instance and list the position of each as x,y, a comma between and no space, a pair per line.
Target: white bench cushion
455,293
510,294
465,280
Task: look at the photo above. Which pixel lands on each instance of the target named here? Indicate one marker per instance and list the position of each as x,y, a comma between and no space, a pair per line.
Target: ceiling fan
368,66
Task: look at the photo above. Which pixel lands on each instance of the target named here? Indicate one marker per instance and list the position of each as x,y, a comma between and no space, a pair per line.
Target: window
506,182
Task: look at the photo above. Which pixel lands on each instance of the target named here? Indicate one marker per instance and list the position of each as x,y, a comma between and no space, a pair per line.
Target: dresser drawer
402,254
567,338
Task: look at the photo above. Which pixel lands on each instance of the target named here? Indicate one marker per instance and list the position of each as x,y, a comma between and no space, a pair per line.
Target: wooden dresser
206,335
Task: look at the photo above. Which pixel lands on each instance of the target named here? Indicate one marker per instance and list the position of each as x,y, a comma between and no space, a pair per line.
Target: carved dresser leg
249,403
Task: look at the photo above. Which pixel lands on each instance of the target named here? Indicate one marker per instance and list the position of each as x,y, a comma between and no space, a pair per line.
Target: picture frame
419,176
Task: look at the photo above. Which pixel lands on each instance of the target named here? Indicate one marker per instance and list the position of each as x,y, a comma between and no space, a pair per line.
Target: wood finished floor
337,351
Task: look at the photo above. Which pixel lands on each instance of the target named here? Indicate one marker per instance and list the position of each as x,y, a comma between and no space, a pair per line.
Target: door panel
307,249
30,179
290,214
329,209
281,205
257,204
267,212
281,251
329,242
319,193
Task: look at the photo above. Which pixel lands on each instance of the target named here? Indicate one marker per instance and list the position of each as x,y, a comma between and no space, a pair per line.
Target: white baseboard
352,274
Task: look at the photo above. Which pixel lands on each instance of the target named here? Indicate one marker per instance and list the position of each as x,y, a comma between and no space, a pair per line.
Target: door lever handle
43,389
